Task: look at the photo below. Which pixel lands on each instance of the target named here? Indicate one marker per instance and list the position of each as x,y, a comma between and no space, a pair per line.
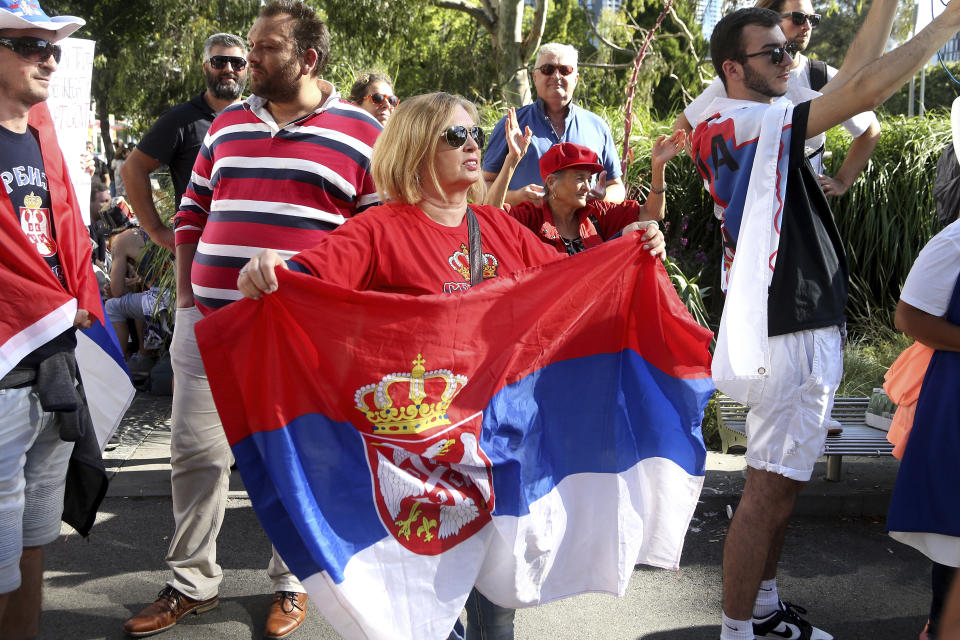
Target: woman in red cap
566,219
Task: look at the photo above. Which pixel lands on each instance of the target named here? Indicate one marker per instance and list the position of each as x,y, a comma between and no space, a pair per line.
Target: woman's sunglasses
220,62
799,17
32,49
550,69
776,54
456,136
378,98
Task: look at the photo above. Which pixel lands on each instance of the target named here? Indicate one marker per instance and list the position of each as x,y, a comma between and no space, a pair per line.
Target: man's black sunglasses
220,62
32,49
776,54
549,69
799,17
456,136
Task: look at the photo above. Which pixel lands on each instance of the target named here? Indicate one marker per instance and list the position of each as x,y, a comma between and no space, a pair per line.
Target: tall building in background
708,14
951,51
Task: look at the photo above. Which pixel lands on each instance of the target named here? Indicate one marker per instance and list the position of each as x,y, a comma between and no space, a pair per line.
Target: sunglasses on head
799,17
32,49
220,62
378,98
549,69
456,136
776,54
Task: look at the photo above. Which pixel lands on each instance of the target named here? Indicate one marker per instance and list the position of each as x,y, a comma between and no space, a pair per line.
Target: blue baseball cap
27,14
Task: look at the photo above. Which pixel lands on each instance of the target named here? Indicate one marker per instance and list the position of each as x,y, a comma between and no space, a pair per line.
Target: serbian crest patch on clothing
35,222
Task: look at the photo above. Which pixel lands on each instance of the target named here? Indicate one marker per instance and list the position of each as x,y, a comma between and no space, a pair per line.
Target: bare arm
933,331
517,145
868,44
136,176
876,82
664,149
857,157
125,246
184,263
616,192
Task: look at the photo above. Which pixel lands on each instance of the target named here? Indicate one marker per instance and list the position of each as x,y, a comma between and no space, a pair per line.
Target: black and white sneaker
787,624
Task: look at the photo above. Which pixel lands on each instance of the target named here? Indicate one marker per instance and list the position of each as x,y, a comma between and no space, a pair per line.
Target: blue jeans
485,620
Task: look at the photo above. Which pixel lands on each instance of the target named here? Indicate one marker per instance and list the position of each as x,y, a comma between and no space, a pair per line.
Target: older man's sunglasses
799,17
32,49
220,62
549,69
379,98
776,54
456,136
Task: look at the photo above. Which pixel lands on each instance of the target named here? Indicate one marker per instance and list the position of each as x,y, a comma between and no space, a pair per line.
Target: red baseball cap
568,155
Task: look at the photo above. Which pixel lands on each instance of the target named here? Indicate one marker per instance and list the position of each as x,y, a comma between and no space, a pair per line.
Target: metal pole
923,87
913,82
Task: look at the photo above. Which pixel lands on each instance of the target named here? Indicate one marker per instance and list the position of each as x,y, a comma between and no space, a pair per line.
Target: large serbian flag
536,437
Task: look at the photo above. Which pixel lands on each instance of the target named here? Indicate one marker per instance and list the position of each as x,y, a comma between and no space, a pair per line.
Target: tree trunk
508,49
103,114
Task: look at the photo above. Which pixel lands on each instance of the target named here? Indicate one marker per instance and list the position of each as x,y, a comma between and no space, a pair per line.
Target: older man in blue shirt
553,118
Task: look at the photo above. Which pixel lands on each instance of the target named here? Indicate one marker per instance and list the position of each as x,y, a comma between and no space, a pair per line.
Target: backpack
818,74
946,186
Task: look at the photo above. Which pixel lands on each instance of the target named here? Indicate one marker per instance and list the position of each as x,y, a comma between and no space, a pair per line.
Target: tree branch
475,12
532,42
617,48
686,31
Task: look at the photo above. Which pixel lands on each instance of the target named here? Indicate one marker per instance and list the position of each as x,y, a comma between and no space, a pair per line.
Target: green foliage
867,356
889,214
939,93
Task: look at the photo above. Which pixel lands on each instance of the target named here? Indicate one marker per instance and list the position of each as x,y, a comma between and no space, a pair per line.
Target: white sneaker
788,625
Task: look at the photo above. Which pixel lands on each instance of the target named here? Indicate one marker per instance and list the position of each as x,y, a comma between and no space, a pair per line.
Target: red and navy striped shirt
257,186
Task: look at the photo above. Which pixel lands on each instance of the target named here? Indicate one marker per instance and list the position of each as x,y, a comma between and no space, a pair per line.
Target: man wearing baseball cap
49,291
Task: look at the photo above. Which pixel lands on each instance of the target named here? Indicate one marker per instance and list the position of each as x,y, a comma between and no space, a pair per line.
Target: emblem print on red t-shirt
460,262
35,222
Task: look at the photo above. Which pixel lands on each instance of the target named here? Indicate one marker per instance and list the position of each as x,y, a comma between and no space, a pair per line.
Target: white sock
736,629
768,600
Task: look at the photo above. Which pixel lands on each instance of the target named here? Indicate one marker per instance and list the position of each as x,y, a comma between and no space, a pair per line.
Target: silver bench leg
833,468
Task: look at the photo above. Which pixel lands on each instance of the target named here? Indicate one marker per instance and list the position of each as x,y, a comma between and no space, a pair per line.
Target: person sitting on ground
373,92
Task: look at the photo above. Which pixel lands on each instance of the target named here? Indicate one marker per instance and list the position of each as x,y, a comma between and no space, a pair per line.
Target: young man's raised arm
877,81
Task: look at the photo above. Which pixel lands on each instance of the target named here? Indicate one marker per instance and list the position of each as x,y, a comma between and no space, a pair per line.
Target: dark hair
225,40
309,31
96,186
773,5
359,89
725,42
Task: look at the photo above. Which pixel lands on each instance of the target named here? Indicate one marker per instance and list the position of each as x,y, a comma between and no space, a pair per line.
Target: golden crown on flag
32,201
460,261
417,416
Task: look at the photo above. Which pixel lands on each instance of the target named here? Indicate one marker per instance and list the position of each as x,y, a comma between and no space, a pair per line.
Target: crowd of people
379,193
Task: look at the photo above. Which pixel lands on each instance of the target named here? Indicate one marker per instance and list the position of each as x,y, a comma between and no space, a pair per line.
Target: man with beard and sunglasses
49,290
175,138
554,118
797,21
278,171
779,346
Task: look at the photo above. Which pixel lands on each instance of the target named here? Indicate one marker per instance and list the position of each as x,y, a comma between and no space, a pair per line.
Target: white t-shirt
798,90
933,276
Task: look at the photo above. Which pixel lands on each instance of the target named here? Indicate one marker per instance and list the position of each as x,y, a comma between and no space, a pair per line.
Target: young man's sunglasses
776,54
220,62
549,69
32,49
378,99
456,136
799,17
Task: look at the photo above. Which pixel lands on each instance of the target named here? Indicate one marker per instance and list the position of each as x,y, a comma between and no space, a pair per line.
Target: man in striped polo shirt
276,171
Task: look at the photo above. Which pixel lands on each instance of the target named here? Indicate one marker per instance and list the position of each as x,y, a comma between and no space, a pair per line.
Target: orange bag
902,383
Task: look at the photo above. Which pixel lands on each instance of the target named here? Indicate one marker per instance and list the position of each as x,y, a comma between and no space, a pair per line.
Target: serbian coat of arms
433,485
35,222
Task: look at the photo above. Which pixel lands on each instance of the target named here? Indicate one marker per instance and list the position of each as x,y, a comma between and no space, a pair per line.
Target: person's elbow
906,319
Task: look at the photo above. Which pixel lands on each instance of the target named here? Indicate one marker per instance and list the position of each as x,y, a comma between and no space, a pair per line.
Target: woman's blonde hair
403,154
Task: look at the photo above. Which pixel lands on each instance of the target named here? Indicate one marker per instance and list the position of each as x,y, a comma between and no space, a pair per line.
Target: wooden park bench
857,439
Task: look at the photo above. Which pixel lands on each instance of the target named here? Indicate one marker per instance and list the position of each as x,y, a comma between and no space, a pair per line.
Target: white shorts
33,472
786,426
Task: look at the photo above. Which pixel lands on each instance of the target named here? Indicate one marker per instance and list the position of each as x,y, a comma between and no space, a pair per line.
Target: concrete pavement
838,562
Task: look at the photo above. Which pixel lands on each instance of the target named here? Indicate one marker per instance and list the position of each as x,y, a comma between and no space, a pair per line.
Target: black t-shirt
176,137
25,183
809,286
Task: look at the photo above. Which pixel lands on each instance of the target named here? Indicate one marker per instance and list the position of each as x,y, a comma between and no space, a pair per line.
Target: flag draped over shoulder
536,436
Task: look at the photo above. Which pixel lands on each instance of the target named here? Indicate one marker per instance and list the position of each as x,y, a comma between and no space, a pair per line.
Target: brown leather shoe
170,606
287,612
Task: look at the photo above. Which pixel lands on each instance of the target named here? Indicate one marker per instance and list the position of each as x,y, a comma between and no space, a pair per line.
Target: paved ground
856,582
